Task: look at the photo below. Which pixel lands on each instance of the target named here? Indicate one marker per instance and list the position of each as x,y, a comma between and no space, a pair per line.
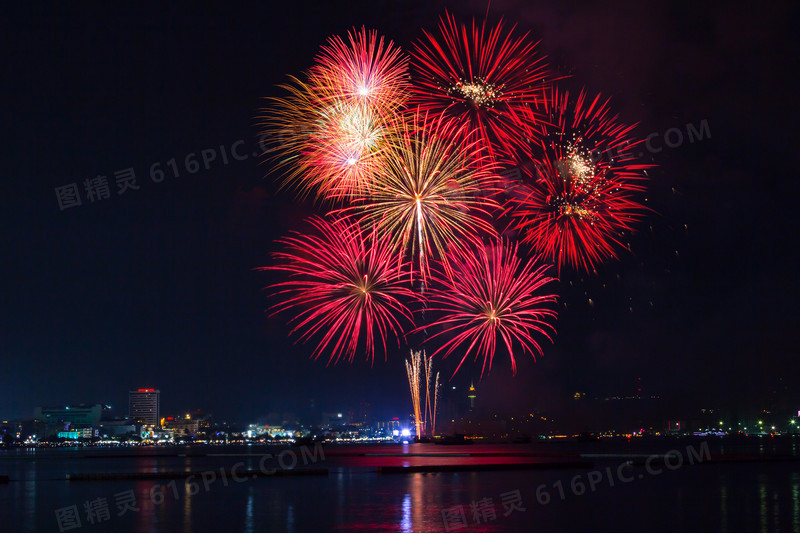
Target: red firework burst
344,284
492,298
480,77
583,195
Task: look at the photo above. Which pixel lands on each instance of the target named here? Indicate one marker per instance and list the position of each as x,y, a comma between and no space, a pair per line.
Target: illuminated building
182,426
79,433
62,418
389,426
144,406
471,396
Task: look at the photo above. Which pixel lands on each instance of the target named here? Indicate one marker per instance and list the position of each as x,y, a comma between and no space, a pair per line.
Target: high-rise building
144,406
471,396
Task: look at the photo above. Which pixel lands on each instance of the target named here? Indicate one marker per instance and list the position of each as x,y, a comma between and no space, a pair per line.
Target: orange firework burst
326,147
431,190
330,129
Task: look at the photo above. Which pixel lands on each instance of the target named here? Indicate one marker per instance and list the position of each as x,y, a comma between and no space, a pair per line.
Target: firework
330,127
585,182
493,298
326,147
431,191
344,286
434,403
413,367
428,364
362,71
345,151
480,77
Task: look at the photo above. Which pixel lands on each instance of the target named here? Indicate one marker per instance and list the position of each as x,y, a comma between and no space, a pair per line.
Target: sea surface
713,484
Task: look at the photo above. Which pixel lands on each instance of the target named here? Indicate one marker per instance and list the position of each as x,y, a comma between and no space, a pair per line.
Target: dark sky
156,287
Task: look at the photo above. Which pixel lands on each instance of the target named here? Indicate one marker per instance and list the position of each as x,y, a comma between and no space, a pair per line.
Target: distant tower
471,396
144,406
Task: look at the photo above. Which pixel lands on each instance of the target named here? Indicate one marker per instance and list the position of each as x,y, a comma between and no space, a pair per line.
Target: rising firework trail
581,196
413,366
481,77
491,300
434,403
427,368
345,287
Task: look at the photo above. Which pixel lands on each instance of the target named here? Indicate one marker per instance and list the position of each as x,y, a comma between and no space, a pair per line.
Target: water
690,495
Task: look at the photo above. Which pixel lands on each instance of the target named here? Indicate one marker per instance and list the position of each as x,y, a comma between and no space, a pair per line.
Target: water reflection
248,514
340,493
795,503
145,516
405,521
290,519
762,503
354,496
187,507
29,504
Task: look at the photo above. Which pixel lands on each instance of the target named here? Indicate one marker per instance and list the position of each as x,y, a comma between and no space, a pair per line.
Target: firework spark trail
583,196
428,363
431,191
413,367
480,77
492,298
435,403
344,284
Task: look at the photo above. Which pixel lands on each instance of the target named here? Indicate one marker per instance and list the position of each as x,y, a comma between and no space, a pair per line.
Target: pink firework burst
344,286
480,77
491,298
582,197
331,126
364,70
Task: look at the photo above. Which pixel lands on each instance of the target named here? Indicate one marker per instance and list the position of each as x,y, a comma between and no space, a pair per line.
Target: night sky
156,287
